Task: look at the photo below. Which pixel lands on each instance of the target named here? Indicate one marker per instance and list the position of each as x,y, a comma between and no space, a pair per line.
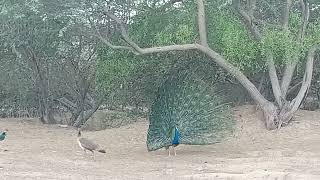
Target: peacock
188,110
3,134
175,137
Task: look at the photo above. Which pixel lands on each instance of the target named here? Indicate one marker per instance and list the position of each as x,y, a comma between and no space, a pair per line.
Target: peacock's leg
174,150
93,156
169,150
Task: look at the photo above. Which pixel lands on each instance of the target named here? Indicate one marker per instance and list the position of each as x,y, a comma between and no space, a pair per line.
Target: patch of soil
36,151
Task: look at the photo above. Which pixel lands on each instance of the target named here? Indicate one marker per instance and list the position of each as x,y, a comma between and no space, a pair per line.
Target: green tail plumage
194,107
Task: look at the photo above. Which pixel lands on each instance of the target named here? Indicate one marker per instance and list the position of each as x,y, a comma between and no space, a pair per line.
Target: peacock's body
187,111
175,136
3,135
175,140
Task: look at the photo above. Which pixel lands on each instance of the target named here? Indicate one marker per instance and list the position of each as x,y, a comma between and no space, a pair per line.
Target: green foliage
229,37
313,34
294,23
194,107
156,28
113,70
282,44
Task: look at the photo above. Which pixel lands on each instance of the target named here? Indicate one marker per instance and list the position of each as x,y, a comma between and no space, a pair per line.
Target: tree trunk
46,111
270,115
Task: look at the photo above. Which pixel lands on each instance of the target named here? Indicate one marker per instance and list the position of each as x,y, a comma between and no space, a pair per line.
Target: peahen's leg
93,155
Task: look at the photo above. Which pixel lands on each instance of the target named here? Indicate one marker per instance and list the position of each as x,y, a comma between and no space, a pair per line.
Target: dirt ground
35,151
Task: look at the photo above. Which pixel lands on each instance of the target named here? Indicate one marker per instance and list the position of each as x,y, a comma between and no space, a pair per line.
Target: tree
33,44
77,63
44,54
265,29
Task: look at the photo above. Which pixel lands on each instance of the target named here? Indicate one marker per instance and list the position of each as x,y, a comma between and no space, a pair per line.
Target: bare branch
294,87
287,76
306,78
285,14
305,18
106,41
139,50
248,20
246,83
252,6
306,82
274,78
290,67
123,32
202,23
181,47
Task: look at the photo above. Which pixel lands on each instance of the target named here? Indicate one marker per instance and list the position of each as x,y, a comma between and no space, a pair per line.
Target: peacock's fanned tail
194,107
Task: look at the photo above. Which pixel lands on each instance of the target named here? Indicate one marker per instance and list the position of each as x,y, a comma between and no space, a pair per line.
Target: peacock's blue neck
176,137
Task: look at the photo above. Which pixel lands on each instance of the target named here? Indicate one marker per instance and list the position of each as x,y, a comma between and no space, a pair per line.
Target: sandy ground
35,151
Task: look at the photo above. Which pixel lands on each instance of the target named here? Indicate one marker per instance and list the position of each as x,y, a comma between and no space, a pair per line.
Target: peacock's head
5,132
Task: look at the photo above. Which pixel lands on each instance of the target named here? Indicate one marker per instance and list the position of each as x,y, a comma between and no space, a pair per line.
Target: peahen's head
79,132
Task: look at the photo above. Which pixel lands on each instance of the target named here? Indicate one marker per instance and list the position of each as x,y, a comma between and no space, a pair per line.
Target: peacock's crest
192,109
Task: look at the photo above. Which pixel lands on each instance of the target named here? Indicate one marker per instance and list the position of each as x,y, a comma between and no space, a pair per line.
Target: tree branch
98,35
287,76
290,67
274,78
252,6
296,102
294,87
139,50
253,91
247,19
306,78
202,23
67,103
136,48
305,18
285,14
123,32
246,83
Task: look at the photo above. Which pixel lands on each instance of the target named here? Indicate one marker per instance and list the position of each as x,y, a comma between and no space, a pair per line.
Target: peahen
189,111
87,144
3,134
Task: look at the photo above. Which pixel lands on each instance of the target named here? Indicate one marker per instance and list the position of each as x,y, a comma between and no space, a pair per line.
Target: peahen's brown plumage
87,144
